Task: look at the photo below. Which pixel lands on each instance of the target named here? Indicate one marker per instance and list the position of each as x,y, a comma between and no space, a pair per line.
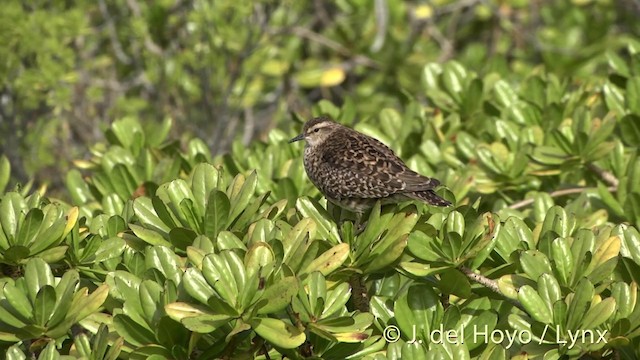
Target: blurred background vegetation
228,69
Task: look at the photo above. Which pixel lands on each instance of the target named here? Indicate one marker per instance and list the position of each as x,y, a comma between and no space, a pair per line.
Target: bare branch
558,193
333,45
359,292
382,21
605,175
113,35
489,284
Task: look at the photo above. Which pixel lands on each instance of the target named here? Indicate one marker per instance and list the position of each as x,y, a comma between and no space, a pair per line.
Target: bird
353,170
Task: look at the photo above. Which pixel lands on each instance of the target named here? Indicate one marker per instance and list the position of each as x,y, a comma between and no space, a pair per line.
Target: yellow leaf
72,217
332,77
423,12
607,250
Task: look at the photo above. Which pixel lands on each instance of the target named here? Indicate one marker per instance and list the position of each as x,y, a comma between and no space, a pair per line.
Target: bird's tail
430,197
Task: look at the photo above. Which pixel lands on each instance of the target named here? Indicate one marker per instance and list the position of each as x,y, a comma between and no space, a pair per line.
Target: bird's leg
359,225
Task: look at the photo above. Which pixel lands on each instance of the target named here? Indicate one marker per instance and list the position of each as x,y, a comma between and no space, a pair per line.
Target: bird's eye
316,130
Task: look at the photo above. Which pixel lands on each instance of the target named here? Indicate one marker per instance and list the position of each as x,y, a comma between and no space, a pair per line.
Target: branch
381,11
335,46
558,193
489,284
113,35
148,42
605,175
359,294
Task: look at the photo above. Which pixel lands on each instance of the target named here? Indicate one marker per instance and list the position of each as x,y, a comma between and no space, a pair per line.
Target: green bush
158,248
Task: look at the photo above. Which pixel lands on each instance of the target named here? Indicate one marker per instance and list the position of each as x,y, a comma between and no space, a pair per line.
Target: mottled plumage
354,170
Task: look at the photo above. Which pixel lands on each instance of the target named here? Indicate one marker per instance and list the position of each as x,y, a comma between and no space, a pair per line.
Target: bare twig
382,21
148,42
333,45
359,292
489,284
558,193
457,6
605,175
113,35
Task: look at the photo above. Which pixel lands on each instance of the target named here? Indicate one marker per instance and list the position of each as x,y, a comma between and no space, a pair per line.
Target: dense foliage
157,247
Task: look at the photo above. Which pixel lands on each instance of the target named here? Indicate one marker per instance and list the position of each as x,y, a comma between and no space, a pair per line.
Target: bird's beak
297,138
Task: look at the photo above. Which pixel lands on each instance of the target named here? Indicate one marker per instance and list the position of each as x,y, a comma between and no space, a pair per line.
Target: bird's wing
366,168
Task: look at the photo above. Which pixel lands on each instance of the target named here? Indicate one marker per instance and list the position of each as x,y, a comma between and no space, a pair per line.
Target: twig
458,5
558,193
333,45
489,284
382,21
605,175
148,42
359,293
113,36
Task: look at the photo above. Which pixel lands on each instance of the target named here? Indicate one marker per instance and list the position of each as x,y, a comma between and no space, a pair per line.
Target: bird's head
316,131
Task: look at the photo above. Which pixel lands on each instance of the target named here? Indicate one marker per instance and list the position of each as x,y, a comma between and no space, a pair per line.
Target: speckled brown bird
354,170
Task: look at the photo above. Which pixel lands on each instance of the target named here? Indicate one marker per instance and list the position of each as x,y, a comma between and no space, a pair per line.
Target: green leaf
278,333
626,298
629,129
196,285
598,314
133,332
259,256
5,173
415,350
12,210
617,63
216,213
85,305
509,284
579,303
614,98
504,94
18,301
633,95
609,200
452,281
250,212
204,179
393,242
278,296
391,253
336,299
240,193
418,309
473,97
109,249
49,352
453,79
166,261
534,263
218,272
37,274
44,305
326,228
329,261
15,254
53,255
157,133
149,236
549,290
29,227
146,213
535,305
188,212
562,260
607,250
